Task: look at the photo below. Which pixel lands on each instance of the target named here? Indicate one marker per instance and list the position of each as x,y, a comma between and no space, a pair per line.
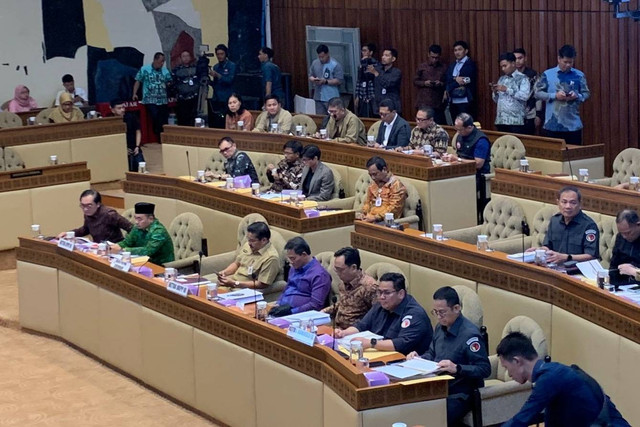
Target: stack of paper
242,296
318,317
344,342
528,256
409,368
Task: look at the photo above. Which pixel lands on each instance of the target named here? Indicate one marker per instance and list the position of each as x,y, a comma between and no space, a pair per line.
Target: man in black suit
394,131
461,81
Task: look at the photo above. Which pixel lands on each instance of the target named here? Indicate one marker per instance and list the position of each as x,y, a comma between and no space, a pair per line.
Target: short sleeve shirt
154,84
580,236
265,264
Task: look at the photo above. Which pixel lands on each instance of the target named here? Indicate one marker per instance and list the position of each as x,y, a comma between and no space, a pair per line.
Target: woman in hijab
66,112
21,100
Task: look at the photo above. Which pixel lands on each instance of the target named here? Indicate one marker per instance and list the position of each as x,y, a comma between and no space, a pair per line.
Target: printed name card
178,288
66,244
120,265
301,335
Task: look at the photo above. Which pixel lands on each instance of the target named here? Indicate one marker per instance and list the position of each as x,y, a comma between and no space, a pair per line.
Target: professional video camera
202,66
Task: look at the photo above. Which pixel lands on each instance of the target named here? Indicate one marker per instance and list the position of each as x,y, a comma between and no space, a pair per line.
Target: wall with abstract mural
101,43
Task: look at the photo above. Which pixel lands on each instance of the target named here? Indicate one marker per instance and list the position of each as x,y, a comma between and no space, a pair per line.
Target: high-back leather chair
506,153
502,219
186,233
12,160
303,120
9,120
608,232
471,305
501,397
373,130
625,165
538,230
43,116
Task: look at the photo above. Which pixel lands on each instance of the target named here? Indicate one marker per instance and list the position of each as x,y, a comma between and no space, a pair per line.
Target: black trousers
159,115
186,111
511,128
574,137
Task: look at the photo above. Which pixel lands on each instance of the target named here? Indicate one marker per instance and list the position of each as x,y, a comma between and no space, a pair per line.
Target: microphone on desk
334,314
525,232
188,163
566,148
255,295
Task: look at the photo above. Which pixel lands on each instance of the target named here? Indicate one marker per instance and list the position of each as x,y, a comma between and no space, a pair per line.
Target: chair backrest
531,329
608,231
378,269
186,233
337,182
12,160
625,165
304,120
246,222
360,191
278,243
128,214
373,130
412,200
5,105
215,163
9,120
326,260
43,116
471,305
260,162
502,218
541,224
506,152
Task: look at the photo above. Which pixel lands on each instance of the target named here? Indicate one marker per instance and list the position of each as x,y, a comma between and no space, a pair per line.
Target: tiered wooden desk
221,211
447,192
533,191
46,196
583,324
239,371
100,142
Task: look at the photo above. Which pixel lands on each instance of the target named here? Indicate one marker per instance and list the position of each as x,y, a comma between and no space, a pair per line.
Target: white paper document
243,296
419,364
365,334
409,368
528,256
319,318
589,269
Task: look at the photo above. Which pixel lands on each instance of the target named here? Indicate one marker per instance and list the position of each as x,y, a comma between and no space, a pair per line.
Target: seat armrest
505,388
467,235
184,264
346,203
493,361
216,263
604,181
411,220
511,245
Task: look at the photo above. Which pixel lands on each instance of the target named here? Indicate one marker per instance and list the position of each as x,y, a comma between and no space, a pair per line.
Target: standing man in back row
388,79
326,76
564,89
271,75
154,79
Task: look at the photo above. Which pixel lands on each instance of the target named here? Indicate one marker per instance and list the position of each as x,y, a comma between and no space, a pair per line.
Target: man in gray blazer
394,131
317,178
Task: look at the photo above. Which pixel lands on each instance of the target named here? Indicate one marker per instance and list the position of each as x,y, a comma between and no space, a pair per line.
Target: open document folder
410,368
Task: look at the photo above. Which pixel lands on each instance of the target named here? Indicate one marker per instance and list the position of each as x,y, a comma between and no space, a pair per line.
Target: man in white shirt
80,98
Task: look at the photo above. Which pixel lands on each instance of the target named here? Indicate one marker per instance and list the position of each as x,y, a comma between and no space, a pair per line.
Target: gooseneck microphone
200,255
525,232
334,314
188,163
566,148
255,295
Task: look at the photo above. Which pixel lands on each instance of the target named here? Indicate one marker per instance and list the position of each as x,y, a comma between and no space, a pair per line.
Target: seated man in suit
149,237
343,125
317,178
273,114
308,283
394,131
397,316
386,193
101,222
572,235
460,351
238,163
625,260
257,264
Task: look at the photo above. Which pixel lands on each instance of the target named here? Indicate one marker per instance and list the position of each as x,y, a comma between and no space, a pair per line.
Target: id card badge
250,270
384,91
364,84
378,201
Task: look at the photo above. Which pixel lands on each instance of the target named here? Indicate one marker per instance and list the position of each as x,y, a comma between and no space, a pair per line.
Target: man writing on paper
572,235
102,223
308,284
459,350
343,125
625,260
257,264
149,237
386,193
357,291
397,316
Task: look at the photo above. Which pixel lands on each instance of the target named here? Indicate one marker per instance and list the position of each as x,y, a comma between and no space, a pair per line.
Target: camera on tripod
202,66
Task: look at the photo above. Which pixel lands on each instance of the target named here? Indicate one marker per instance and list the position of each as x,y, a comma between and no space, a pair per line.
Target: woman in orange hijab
66,112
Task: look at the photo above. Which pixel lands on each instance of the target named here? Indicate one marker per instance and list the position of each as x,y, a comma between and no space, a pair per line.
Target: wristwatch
236,284
373,342
569,258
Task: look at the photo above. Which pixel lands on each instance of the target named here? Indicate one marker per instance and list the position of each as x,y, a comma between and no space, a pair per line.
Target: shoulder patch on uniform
474,346
472,339
590,235
406,321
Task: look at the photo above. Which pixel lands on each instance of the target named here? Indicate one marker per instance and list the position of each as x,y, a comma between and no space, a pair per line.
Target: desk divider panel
38,305
79,312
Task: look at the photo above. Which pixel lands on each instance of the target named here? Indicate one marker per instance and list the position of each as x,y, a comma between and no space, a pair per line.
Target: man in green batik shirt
149,237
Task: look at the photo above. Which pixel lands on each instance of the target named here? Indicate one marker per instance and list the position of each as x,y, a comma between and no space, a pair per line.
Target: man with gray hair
343,125
625,260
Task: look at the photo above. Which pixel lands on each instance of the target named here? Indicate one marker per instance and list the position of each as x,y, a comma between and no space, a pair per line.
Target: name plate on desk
120,265
66,244
300,335
178,288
